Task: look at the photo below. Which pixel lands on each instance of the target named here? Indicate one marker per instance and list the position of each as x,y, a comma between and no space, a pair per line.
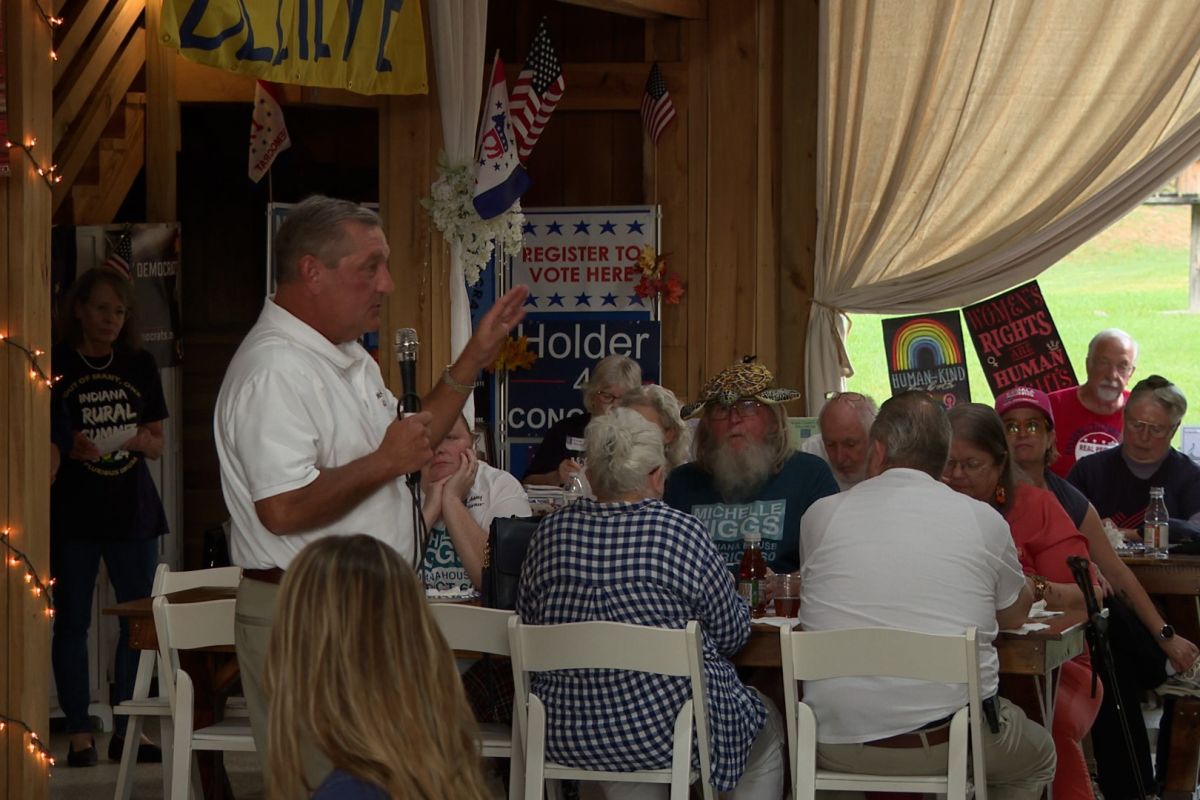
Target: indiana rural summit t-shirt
774,512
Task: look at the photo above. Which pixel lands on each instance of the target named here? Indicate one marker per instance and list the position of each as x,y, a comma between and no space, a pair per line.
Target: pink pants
1074,712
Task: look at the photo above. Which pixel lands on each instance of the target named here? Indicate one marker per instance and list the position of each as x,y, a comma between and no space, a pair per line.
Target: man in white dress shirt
903,550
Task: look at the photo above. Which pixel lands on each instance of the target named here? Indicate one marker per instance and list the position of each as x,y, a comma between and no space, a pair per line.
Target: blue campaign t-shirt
774,512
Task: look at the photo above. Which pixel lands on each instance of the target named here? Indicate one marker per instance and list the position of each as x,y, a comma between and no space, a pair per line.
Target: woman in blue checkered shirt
628,557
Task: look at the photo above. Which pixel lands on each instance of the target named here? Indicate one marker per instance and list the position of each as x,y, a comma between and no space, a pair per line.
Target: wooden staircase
99,118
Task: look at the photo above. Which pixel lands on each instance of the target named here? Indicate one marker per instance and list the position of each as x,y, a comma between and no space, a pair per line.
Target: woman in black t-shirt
103,503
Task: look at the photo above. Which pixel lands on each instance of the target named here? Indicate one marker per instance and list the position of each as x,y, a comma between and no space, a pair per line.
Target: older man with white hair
1088,418
845,423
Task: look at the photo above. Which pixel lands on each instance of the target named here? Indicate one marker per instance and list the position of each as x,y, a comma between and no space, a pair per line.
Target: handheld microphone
406,358
410,401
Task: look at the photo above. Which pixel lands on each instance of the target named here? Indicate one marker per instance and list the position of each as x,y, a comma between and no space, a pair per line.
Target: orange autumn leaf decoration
514,354
657,280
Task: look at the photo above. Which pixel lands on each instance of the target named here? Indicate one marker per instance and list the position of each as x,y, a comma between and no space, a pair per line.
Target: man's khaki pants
255,614
1020,758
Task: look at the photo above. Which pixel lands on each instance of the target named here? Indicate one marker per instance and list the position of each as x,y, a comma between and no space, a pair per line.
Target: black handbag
508,541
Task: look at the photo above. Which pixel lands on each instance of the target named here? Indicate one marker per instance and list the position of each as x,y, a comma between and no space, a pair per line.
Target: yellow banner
366,46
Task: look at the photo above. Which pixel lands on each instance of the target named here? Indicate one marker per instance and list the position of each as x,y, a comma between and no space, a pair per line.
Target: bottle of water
1155,526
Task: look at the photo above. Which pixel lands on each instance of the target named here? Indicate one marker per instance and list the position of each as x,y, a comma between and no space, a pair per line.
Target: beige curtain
457,28
963,147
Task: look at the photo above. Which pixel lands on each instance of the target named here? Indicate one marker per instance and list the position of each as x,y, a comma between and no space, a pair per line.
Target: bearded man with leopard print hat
746,476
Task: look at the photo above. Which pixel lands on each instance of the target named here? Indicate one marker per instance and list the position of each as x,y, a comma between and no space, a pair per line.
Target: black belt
272,575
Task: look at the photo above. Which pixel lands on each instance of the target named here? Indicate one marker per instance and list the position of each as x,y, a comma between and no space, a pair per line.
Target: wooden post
162,121
25,202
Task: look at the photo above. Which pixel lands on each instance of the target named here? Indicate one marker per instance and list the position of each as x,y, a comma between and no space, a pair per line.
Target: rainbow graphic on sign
925,343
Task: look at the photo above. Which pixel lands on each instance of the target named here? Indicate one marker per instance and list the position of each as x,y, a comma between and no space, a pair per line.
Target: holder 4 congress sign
375,47
566,352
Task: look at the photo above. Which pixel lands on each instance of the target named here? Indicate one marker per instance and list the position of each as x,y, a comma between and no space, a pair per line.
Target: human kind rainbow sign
926,353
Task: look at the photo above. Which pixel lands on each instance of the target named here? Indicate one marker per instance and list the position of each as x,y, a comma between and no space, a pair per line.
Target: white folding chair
485,630
882,652
141,704
610,645
189,626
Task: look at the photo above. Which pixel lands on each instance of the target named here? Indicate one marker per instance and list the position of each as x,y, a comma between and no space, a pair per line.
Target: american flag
120,255
657,108
539,88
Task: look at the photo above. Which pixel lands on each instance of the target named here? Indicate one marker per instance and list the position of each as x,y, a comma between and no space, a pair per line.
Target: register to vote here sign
566,352
584,260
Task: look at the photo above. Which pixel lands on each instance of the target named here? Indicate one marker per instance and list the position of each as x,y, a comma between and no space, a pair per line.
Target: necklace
97,366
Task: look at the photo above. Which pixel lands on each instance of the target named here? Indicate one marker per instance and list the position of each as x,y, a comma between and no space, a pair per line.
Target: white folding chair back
190,626
485,630
610,645
882,652
141,704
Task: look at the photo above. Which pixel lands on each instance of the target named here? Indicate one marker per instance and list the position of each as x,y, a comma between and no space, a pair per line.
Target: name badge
575,444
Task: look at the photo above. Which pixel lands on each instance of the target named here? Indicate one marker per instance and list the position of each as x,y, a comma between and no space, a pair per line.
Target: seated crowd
903,515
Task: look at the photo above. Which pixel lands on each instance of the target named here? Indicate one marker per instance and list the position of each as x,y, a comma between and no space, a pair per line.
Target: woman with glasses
560,455
980,466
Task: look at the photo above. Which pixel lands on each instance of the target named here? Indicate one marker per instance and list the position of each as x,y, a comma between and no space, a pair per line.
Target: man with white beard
746,478
1089,418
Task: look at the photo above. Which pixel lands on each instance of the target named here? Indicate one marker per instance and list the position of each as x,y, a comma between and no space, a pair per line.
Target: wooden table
213,670
1175,582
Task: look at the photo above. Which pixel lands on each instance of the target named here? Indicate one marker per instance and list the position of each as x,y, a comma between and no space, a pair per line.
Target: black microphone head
406,344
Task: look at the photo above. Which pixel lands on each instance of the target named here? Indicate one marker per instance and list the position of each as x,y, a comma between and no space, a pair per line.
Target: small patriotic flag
500,180
537,91
657,108
120,255
268,133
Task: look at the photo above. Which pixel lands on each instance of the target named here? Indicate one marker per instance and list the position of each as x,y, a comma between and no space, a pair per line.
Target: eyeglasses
743,409
1030,426
972,466
1155,431
607,397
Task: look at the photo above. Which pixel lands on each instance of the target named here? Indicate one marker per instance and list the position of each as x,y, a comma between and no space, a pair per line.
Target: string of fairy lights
15,559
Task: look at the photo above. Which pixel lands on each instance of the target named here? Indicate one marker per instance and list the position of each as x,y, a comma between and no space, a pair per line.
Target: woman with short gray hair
557,458
628,557
659,405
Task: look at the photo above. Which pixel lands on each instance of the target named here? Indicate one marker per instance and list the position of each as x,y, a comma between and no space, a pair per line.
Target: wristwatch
1166,632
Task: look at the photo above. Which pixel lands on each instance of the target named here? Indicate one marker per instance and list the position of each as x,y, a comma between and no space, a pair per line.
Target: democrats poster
926,353
1018,343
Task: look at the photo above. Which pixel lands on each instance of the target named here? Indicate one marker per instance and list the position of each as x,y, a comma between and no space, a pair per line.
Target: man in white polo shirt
903,550
307,432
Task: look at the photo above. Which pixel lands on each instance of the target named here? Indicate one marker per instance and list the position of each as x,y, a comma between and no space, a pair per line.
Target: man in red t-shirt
1088,418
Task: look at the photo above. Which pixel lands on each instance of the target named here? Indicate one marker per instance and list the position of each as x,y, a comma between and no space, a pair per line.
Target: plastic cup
785,592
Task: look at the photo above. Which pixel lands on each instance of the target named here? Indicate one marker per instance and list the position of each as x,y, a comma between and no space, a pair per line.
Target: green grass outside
1132,276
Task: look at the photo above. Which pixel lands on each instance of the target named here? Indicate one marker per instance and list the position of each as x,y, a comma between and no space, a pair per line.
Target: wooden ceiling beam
648,9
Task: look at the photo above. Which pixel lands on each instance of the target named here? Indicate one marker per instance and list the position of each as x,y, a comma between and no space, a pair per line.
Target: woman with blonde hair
358,670
659,405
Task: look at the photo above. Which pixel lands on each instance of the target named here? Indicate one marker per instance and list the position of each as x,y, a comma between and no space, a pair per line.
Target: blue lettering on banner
728,523
566,352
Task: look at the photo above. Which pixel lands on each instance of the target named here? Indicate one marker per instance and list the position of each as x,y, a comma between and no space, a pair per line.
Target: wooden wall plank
77,28
405,173
798,126
766,327
24,410
732,198
162,121
696,300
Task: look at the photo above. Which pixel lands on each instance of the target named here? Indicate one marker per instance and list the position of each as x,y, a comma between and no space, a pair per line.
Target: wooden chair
610,645
191,626
485,630
882,652
141,704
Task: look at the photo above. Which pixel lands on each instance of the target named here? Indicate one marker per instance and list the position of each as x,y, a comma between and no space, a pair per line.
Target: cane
1097,639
